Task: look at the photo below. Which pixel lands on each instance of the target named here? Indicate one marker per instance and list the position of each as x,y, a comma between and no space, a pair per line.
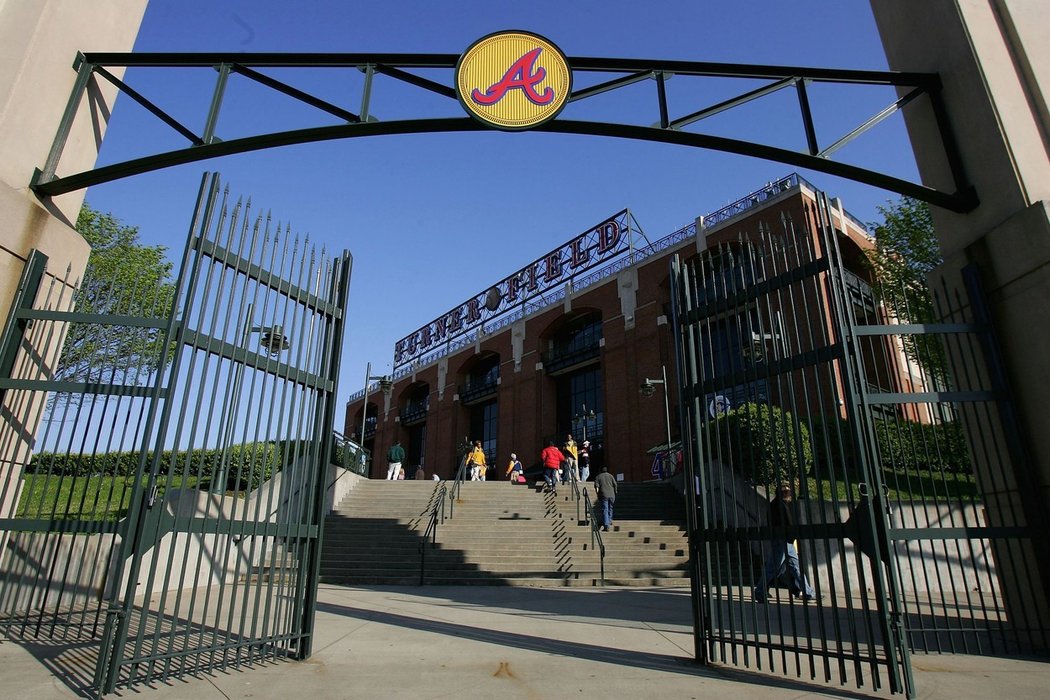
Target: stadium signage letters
513,80
593,247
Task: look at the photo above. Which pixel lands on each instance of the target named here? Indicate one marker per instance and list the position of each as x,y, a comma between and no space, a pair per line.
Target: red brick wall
634,349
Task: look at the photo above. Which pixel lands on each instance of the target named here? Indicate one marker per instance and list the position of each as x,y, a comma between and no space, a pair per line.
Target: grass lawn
913,485
84,497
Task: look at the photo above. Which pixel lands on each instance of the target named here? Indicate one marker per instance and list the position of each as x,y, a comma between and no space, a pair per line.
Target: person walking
394,457
551,458
571,469
782,555
585,460
605,485
476,462
514,469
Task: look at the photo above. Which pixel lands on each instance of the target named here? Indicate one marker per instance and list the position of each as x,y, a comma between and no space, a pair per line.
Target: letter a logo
522,75
513,80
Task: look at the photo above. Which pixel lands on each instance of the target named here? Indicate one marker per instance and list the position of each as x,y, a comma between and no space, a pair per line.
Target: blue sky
432,219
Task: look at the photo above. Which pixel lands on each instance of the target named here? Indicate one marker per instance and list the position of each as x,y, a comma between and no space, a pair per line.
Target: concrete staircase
373,536
502,534
648,544
510,534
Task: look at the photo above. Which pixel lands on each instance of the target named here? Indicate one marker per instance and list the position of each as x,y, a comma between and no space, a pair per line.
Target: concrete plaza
503,642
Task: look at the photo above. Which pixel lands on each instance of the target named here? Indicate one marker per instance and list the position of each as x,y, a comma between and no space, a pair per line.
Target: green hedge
247,465
768,444
833,452
903,446
909,446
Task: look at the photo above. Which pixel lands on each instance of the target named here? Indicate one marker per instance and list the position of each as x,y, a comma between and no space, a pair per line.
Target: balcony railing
557,295
560,359
413,413
477,391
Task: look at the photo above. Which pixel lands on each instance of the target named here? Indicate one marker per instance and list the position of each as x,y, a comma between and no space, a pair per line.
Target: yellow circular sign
513,80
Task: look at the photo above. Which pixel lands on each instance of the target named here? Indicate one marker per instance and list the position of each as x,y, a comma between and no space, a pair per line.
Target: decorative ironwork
122,534
898,540
670,128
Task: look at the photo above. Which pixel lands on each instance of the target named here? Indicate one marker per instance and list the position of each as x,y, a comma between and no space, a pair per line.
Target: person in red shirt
552,458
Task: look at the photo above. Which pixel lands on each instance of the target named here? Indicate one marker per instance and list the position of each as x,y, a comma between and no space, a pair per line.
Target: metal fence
902,530
168,515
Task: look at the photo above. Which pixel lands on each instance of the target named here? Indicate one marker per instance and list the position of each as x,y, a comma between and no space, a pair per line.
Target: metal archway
669,129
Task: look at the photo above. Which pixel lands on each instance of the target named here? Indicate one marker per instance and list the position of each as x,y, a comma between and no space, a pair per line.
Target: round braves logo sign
513,80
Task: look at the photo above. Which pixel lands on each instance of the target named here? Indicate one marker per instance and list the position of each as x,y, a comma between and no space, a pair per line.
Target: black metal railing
476,391
349,455
457,484
575,492
413,413
596,535
559,359
437,514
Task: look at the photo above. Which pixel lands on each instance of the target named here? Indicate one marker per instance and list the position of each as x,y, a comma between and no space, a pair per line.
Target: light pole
648,389
385,385
583,417
273,340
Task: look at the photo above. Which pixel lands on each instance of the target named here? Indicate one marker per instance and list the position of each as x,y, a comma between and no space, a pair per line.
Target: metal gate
904,524
165,518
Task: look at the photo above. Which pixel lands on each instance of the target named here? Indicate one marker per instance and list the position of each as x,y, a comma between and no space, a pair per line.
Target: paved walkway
506,643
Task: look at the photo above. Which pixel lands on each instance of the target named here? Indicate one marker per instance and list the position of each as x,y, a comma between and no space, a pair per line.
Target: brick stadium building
571,357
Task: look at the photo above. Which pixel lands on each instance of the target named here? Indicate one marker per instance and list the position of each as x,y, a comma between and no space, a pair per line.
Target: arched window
576,342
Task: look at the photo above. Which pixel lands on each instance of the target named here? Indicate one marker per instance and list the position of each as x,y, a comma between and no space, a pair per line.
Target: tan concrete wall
38,43
39,40
993,57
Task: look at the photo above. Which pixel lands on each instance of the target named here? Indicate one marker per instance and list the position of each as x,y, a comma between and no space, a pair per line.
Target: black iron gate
893,442
166,516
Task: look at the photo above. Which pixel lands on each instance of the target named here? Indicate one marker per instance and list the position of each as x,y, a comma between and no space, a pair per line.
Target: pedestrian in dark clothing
585,460
605,485
782,554
394,457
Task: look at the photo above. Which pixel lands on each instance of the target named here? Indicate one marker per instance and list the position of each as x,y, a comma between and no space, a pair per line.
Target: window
484,422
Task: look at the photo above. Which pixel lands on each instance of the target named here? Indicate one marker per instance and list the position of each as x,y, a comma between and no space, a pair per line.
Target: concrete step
500,535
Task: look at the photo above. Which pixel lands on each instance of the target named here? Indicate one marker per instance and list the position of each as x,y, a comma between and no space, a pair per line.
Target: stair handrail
576,492
437,501
453,494
596,534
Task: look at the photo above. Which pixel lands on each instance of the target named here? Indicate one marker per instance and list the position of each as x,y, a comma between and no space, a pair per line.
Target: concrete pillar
39,41
993,57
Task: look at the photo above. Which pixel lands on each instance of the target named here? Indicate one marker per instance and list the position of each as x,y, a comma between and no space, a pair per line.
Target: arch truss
597,75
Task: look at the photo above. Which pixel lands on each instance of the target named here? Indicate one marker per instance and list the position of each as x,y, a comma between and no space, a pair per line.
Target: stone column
39,41
993,57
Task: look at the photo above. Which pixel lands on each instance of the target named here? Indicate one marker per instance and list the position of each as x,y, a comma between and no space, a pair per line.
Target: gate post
14,451
694,481
333,342
874,521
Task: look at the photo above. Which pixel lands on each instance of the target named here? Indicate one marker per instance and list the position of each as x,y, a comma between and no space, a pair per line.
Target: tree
768,444
126,278
906,252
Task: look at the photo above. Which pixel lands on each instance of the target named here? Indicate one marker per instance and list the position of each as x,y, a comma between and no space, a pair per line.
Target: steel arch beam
392,66
958,202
